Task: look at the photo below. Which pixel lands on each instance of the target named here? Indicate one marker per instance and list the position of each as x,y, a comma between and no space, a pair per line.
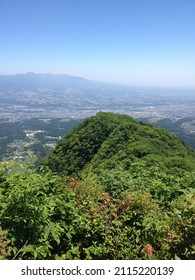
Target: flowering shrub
44,216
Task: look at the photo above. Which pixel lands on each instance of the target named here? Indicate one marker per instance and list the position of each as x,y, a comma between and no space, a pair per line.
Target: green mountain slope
130,194
109,141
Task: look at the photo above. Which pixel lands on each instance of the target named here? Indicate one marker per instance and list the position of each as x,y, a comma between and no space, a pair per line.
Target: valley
37,110
91,177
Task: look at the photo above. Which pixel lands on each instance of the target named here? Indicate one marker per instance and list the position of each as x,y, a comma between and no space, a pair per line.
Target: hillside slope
130,195
111,141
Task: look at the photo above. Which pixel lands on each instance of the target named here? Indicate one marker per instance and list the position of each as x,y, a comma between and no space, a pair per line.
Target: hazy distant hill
111,141
32,81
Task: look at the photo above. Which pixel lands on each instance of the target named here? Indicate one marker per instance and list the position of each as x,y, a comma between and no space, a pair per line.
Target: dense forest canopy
113,188
110,140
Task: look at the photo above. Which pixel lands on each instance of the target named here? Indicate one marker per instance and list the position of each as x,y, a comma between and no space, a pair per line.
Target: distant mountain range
33,81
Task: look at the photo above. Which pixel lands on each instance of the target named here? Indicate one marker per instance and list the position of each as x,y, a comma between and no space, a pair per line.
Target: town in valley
34,118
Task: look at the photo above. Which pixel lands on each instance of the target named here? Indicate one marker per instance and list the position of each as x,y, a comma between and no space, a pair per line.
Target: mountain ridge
110,141
31,80
121,189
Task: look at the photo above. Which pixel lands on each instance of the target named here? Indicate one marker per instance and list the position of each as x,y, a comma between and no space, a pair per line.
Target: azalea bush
143,215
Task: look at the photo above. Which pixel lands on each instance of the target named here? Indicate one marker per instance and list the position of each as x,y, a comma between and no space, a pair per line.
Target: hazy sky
136,42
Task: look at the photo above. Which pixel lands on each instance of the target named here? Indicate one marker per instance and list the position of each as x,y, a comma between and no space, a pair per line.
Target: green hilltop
112,141
113,188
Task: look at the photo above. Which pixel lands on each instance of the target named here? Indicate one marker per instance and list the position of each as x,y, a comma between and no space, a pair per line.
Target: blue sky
135,42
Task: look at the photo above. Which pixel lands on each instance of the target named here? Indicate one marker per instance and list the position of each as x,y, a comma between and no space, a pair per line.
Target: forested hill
121,189
110,141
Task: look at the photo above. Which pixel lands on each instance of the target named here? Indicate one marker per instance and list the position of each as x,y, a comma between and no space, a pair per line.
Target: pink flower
149,250
169,235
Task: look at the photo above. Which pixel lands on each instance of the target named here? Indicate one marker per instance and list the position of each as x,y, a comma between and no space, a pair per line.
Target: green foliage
4,246
183,223
33,207
110,141
50,217
132,196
